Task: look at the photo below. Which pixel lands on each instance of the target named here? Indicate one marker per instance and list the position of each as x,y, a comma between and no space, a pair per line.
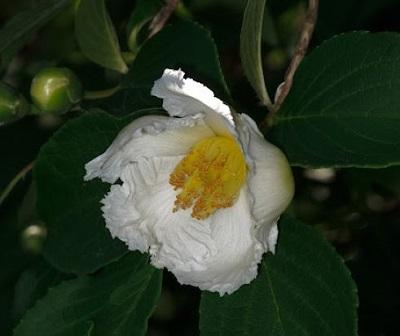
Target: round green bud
13,105
55,90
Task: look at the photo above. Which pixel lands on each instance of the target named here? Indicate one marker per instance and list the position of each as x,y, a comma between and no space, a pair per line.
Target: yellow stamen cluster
210,176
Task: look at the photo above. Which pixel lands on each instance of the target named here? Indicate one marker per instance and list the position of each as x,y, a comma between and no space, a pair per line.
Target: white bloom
201,190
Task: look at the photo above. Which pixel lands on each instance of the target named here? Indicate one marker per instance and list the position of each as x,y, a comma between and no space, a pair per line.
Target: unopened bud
13,105
55,90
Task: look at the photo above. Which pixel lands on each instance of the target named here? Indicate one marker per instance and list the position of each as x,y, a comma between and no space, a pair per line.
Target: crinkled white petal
270,180
184,96
121,216
218,254
147,137
221,252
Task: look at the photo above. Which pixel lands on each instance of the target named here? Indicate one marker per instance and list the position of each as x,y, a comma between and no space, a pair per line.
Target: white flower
201,190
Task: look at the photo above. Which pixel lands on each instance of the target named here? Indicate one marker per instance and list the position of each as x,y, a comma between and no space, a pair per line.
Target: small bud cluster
53,91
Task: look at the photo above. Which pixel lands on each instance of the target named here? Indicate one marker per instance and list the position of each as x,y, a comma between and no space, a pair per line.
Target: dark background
357,210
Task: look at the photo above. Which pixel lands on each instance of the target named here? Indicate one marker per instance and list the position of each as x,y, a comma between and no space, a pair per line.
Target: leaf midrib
274,299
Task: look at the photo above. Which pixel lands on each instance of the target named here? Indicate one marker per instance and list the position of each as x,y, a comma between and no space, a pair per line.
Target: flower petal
237,255
147,137
122,217
184,96
270,180
218,254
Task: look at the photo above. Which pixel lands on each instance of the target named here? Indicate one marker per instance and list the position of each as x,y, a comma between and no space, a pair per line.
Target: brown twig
299,53
15,180
162,16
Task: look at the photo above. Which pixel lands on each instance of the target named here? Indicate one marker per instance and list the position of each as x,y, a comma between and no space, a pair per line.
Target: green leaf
20,28
32,285
304,289
96,35
250,47
144,11
343,109
185,45
77,240
116,301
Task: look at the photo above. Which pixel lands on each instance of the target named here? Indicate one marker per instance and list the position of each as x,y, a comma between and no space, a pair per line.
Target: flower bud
12,104
55,90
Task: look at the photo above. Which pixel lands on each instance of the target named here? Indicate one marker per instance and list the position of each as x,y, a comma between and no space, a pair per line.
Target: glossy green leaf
343,109
144,11
15,33
116,301
32,285
250,47
185,45
304,289
96,35
77,240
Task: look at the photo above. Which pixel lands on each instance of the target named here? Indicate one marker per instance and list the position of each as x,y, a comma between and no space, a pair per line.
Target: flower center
210,176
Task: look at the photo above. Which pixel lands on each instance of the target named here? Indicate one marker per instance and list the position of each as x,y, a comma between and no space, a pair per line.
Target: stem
128,56
299,53
162,17
15,180
91,95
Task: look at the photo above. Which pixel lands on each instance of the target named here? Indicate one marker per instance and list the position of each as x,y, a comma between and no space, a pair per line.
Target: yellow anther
210,176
